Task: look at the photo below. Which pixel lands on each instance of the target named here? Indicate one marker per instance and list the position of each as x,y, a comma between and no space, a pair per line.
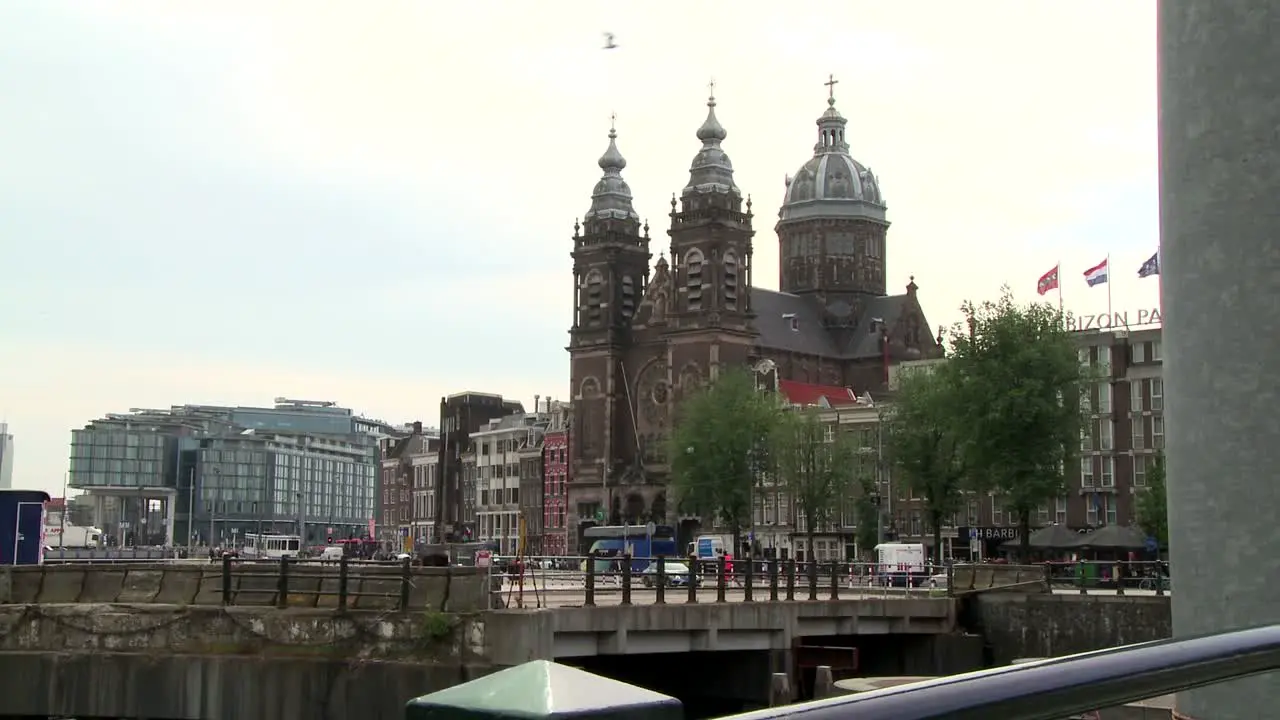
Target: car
675,572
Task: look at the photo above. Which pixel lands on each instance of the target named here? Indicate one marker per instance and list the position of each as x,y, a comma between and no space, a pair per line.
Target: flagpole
1059,274
1109,314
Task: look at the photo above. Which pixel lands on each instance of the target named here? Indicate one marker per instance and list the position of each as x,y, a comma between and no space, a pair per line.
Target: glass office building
207,475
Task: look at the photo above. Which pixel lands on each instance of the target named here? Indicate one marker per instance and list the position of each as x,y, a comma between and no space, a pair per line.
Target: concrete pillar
170,517
1220,240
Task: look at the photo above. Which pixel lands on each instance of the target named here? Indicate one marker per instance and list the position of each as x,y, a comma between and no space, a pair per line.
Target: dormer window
792,321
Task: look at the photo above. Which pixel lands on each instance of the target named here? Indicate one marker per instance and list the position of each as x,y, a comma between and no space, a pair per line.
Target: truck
901,564
22,526
72,536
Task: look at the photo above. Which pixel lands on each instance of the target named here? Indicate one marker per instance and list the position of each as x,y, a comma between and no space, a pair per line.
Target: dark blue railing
1053,689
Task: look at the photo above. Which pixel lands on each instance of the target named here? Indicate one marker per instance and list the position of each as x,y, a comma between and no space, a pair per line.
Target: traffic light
330,541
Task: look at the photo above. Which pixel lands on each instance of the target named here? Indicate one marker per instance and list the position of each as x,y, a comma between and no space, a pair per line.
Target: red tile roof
804,394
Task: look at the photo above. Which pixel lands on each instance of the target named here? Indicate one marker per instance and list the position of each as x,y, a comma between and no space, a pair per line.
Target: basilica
647,334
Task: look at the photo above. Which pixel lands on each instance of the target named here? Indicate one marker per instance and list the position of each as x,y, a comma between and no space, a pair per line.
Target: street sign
600,516
648,529
1153,545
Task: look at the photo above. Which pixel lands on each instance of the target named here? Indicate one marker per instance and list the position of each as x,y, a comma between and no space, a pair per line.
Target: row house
396,483
425,471
454,493
494,461
555,483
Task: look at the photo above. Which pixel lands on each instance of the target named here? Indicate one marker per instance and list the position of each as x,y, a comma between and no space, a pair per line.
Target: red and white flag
1048,281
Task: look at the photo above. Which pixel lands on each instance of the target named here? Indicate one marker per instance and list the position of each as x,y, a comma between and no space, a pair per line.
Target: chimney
537,404
417,427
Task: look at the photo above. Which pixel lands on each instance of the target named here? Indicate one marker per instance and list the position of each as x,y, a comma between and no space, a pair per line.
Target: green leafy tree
815,465
1017,388
923,441
867,510
718,448
1153,504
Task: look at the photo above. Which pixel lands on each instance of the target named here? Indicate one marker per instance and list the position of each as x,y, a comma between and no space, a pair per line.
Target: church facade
645,335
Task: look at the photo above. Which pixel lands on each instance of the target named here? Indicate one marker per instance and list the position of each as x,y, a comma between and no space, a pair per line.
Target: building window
1139,352
1104,359
628,296
1135,395
693,280
972,513
1083,354
1086,472
1109,509
1104,398
1155,351
829,433
1108,471
1139,425
730,281
1106,441
1157,395
997,513
1042,514
1140,470
1086,437
1157,432
595,297
1060,511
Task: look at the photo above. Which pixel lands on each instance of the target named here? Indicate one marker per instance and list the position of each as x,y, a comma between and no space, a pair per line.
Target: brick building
645,336
555,473
396,484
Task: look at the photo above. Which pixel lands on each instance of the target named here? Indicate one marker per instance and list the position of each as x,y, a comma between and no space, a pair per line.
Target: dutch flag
1097,274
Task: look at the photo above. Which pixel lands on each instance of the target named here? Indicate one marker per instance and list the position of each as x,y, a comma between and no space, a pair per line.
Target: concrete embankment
193,662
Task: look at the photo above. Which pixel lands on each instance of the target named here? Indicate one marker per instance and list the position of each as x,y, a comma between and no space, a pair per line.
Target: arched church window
730,281
693,279
628,296
595,297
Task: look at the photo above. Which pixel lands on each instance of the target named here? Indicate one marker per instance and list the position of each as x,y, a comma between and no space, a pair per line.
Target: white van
901,564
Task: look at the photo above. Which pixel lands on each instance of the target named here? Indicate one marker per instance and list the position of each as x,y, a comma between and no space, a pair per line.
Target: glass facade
121,457
232,471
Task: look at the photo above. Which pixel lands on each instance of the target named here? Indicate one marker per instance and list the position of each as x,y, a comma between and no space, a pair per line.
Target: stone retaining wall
252,584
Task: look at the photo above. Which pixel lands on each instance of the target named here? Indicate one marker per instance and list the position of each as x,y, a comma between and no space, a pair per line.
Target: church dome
832,184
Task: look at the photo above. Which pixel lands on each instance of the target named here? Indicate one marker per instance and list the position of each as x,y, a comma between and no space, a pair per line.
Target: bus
642,542
269,546
22,526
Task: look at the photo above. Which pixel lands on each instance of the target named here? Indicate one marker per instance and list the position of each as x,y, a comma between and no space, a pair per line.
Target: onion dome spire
711,170
611,197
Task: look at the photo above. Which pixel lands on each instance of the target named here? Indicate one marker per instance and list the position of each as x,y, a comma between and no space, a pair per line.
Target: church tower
610,272
832,227
711,239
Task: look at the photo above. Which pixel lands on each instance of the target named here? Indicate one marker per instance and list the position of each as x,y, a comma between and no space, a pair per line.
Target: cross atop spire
711,89
613,122
831,88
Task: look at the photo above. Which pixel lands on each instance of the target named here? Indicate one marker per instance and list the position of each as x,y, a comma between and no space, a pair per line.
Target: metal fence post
835,580
720,578
695,578
748,580
226,579
626,578
812,567
1160,576
660,577
791,578
406,582
589,589
773,579
343,569
1121,573
282,591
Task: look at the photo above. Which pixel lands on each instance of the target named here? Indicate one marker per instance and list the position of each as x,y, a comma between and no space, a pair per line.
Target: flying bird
609,44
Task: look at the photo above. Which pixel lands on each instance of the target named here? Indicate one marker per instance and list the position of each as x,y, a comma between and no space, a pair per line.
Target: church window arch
595,297
693,262
730,281
589,388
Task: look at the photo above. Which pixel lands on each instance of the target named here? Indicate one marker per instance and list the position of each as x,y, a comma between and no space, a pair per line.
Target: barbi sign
1115,321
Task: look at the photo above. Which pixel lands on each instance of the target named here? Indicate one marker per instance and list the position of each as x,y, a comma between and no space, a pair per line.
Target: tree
815,465
1017,389
1153,504
923,441
717,447
867,512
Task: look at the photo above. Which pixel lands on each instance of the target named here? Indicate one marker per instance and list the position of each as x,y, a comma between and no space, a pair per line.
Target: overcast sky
372,203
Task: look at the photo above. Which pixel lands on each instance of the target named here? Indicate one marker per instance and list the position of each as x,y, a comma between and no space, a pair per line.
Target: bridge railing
1042,690
625,580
